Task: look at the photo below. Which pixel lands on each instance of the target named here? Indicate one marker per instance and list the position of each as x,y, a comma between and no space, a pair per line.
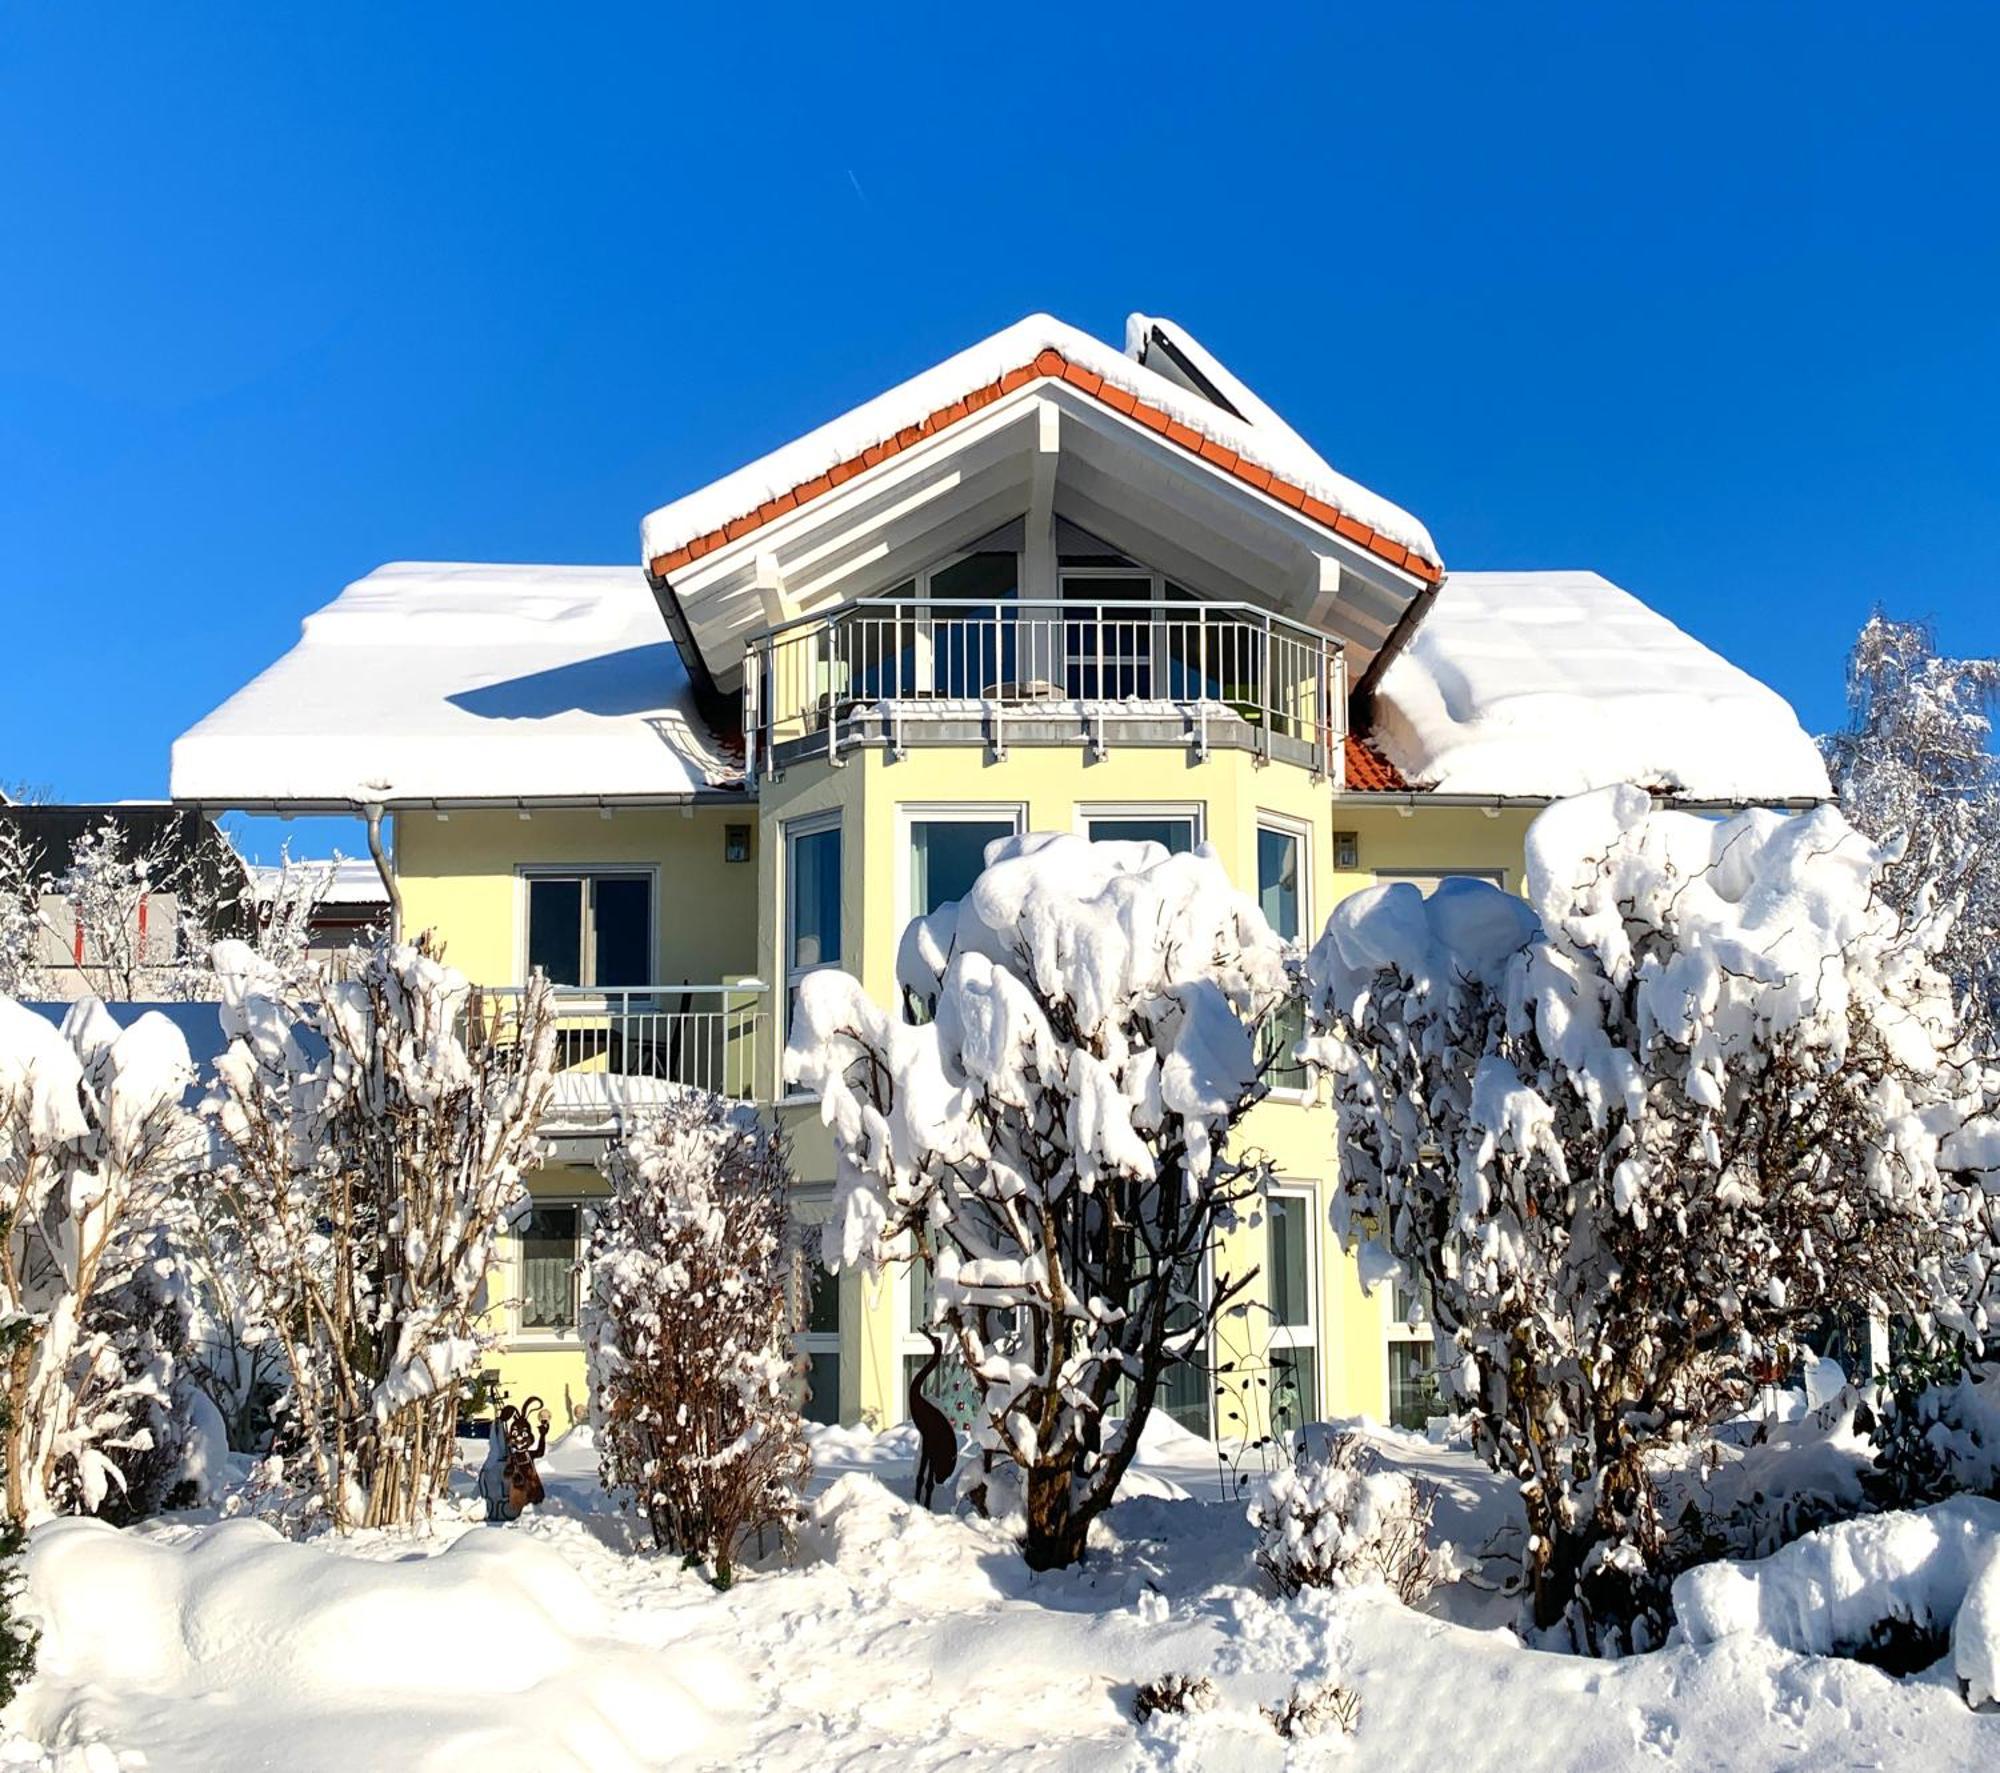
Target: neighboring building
344,900
1043,585
187,863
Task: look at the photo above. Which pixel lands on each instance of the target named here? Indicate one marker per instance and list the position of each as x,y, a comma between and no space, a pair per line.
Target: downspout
373,812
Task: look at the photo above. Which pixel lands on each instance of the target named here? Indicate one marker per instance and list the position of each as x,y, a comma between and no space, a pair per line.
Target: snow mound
1555,683
426,681
492,1651
1834,1590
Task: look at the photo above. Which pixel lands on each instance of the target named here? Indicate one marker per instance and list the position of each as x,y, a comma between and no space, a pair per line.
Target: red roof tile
1369,772
1053,365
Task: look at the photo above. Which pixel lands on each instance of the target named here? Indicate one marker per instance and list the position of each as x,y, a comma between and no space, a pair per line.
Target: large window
1177,828
1281,883
551,1250
1291,1271
593,929
812,901
947,851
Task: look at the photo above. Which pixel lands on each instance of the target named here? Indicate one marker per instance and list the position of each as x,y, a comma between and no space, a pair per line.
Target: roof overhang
1050,443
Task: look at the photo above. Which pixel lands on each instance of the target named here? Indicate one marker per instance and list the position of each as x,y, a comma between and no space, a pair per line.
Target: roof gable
1269,458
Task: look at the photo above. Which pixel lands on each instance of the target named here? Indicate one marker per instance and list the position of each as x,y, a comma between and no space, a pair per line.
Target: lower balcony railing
627,1047
905,670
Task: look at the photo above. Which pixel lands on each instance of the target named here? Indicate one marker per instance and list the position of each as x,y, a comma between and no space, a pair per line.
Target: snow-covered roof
348,880
1554,683
1251,443
426,682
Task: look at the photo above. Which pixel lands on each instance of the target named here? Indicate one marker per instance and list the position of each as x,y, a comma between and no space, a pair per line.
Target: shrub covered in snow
1053,1140
1333,1516
93,1138
1175,1695
1314,1709
1636,1133
687,1329
370,1159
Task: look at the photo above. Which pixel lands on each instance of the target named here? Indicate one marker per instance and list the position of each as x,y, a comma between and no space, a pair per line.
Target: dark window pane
1177,834
1294,1388
984,577
815,900
947,856
1290,1239
549,1246
823,1300
1278,881
1278,1039
1413,1390
621,907
1184,1389
823,1388
555,929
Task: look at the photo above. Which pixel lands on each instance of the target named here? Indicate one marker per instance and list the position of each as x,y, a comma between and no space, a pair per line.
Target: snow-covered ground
897,1639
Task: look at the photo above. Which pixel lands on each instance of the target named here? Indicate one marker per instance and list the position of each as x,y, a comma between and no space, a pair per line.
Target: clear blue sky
1707,299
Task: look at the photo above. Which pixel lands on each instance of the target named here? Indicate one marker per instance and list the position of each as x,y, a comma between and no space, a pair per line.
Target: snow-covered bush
687,1328
93,1138
1054,1140
1333,1516
1636,1134
1314,1709
1175,1695
371,1159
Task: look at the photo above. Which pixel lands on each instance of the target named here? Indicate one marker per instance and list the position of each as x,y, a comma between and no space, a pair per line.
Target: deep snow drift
898,1639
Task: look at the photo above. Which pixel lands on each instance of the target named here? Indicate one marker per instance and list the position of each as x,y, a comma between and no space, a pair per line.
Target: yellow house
1047,584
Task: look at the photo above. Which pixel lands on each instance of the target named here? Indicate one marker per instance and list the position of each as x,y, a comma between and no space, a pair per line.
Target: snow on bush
1053,1139
1175,1695
371,1159
1636,1133
1313,1709
93,1138
1334,1516
1886,1586
688,1327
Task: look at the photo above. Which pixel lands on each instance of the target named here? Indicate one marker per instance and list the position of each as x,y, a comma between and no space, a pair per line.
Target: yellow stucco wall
719,921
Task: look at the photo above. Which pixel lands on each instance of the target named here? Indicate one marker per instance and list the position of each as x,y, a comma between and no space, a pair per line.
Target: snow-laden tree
1915,764
1054,1141
93,1140
1635,1134
688,1326
371,1159
20,911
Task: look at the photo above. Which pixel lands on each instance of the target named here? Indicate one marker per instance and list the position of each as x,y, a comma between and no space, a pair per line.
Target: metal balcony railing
622,1047
887,667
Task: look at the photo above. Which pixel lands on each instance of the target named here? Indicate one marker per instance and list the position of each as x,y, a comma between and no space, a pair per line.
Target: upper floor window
1178,829
593,929
1281,897
812,912
947,850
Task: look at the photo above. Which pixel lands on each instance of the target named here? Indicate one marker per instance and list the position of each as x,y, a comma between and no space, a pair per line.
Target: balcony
902,672
621,1050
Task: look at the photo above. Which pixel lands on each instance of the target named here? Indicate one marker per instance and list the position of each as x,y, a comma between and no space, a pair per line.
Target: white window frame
805,825
526,1338
943,812
1303,1197
1300,831
1088,811
525,873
